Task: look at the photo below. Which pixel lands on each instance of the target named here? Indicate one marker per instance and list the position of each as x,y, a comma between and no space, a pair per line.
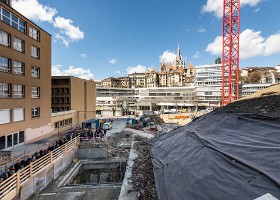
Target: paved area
28,149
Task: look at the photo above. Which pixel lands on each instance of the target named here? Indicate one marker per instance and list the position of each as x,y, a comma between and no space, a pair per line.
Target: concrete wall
92,153
40,181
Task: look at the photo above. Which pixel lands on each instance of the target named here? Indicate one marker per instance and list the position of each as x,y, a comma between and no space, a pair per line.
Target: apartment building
137,80
25,79
70,93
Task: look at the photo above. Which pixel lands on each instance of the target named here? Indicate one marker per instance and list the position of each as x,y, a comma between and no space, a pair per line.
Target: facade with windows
112,101
165,99
208,85
249,89
62,121
72,93
25,54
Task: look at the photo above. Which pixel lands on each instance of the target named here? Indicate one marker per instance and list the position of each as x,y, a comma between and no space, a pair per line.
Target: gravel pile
142,173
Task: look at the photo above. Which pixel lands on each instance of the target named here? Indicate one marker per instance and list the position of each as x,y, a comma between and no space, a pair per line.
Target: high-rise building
25,79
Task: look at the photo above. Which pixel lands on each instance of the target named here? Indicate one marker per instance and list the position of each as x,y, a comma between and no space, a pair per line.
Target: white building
165,99
208,85
248,89
115,101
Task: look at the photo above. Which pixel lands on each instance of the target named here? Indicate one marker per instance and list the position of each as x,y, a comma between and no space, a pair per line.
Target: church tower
180,63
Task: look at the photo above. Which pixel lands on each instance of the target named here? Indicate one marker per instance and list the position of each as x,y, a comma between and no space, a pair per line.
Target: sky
96,39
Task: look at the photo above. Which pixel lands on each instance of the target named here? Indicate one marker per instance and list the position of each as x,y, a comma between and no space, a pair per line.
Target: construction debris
142,173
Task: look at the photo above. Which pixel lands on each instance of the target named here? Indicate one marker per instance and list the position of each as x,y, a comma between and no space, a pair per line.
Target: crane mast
230,57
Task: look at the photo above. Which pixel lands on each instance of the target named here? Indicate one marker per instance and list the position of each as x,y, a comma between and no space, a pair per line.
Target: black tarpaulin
219,156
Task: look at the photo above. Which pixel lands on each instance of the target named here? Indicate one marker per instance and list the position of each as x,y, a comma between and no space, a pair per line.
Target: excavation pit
96,173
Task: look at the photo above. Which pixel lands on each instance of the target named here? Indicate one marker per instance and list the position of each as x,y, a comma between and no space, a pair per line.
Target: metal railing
11,186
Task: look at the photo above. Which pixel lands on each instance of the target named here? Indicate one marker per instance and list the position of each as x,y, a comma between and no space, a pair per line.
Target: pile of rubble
142,173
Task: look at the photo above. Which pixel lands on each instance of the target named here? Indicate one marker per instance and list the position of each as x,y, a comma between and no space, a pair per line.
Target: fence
11,186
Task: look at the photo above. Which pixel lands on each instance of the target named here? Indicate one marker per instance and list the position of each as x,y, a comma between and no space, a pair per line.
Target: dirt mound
264,102
267,106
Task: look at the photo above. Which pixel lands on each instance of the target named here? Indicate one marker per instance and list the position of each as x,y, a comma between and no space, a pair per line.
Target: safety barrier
11,186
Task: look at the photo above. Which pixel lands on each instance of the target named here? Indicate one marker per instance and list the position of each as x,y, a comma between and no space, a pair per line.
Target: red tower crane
230,57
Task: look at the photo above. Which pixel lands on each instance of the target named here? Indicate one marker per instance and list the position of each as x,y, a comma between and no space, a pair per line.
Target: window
35,72
6,16
4,38
5,116
35,112
34,33
35,92
2,142
208,93
18,68
18,44
56,125
18,91
5,90
21,136
18,114
35,52
13,20
4,64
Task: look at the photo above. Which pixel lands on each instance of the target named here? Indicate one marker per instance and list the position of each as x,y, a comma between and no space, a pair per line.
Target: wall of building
41,123
62,121
83,99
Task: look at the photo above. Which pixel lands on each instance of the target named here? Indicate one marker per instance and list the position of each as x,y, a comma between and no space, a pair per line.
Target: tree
255,77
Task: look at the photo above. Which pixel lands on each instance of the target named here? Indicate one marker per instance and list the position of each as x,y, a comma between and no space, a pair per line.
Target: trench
96,173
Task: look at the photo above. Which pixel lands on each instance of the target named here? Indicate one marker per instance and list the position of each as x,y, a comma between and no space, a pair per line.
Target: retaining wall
41,180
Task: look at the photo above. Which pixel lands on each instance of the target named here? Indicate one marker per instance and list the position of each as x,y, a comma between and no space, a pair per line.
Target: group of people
88,133
38,154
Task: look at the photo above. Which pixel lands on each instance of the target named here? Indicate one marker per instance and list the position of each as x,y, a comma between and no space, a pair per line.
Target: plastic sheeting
219,156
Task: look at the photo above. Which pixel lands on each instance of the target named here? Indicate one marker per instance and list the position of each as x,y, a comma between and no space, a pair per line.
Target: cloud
197,54
67,31
33,10
272,45
201,30
137,69
216,6
167,56
83,55
72,71
252,44
64,40
117,71
257,10
113,61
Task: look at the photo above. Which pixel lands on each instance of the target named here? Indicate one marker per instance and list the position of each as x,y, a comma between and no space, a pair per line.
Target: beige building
72,94
120,82
137,80
25,83
152,78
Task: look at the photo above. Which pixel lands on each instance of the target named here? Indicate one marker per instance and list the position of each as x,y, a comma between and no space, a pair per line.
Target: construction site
230,153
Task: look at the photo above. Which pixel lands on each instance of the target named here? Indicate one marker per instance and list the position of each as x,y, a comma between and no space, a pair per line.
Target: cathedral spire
178,56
